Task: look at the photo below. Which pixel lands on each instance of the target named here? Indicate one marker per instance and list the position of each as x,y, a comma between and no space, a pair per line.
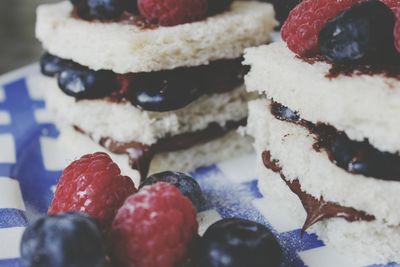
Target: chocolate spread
140,155
389,69
353,156
168,90
316,209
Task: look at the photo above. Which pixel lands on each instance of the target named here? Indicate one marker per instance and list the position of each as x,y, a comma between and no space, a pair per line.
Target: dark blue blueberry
284,113
342,151
237,243
156,93
364,33
64,240
105,9
51,65
186,184
81,82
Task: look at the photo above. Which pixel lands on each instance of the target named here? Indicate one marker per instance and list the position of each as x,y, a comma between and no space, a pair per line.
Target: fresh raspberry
393,4
397,30
92,185
173,12
305,21
154,227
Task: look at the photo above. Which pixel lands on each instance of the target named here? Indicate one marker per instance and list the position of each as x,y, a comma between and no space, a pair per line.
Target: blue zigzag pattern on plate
226,197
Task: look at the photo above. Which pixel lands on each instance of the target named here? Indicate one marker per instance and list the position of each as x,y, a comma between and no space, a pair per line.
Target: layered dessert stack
327,133
145,78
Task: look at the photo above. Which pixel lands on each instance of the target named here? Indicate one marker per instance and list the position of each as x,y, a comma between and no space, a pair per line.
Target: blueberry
163,91
343,151
186,184
217,6
51,65
64,240
284,113
81,82
364,33
105,9
236,243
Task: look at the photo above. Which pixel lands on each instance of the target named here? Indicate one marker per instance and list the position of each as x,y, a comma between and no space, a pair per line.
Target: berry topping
94,185
236,243
305,21
154,227
81,82
217,6
363,33
186,184
172,12
392,4
51,65
105,9
64,240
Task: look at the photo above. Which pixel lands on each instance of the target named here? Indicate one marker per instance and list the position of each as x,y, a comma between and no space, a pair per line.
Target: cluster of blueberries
161,93
74,239
353,156
363,34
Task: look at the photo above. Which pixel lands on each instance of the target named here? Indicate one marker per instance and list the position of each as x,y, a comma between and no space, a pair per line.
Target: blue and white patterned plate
30,165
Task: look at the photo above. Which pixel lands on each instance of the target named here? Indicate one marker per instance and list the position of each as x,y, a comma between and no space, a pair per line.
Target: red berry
305,21
393,4
173,12
93,185
397,30
154,227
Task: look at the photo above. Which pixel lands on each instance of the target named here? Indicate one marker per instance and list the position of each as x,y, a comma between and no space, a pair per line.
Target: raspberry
93,185
305,21
393,4
173,12
154,227
397,30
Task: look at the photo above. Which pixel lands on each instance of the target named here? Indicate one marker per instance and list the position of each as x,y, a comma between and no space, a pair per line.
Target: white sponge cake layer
124,122
364,106
292,146
76,144
366,243
126,48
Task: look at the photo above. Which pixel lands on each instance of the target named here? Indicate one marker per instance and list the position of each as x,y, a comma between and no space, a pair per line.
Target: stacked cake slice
327,133
143,90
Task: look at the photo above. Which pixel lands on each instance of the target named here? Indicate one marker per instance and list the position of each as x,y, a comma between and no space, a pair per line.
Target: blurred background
18,45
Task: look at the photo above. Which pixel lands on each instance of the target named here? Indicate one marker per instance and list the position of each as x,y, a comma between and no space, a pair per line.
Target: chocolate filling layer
140,155
174,89
159,91
352,156
317,209
390,69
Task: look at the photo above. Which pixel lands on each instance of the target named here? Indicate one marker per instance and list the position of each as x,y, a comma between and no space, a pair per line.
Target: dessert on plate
151,79
327,132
